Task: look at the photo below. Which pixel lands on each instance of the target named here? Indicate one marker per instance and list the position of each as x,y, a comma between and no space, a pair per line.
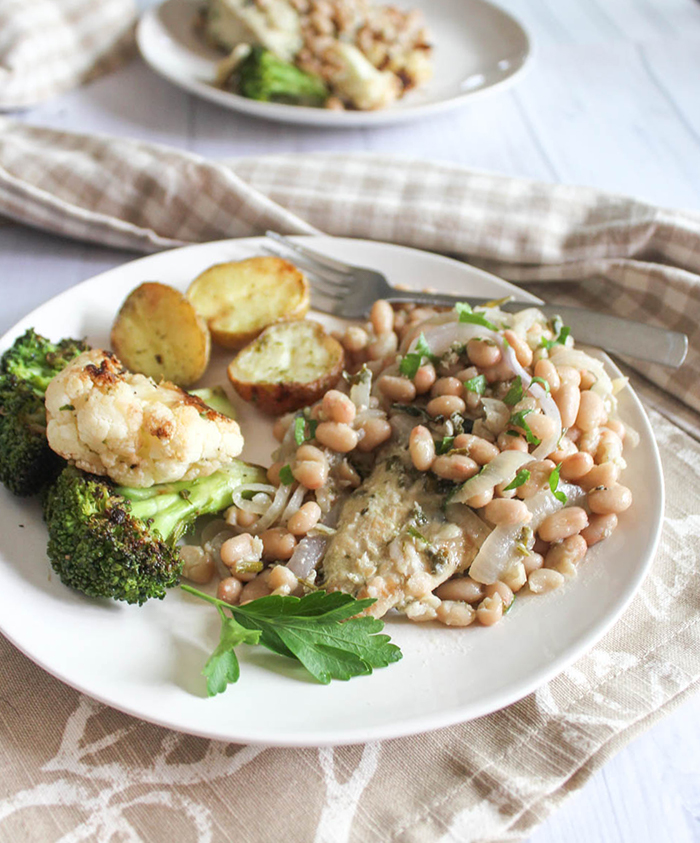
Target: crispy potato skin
159,333
240,299
288,392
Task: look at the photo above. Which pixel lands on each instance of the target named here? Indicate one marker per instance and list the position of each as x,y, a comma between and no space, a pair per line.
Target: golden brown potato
241,298
159,333
290,365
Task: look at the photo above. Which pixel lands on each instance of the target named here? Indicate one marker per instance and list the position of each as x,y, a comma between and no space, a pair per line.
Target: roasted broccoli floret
26,461
110,541
263,76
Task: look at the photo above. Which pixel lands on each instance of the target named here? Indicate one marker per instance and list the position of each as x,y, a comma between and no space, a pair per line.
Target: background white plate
478,48
147,661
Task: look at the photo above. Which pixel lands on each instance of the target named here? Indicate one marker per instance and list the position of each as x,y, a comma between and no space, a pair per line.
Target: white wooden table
612,101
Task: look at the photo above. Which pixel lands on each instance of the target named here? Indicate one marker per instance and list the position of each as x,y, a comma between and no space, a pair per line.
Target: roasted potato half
290,365
158,332
241,298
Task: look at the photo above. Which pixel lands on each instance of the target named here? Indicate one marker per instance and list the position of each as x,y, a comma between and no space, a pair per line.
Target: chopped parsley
300,425
518,420
445,446
521,477
466,314
476,384
286,476
561,334
515,393
554,484
410,364
542,381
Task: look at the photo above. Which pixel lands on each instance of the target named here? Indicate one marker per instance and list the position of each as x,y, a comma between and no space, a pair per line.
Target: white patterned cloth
77,770
50,46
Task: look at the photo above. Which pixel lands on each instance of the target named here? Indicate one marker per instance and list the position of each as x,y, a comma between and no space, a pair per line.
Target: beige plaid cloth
49,46
77,770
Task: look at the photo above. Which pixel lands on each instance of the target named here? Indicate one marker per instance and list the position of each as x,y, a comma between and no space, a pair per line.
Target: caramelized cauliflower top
109,421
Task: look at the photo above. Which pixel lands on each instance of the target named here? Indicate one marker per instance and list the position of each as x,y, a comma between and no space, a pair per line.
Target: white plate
478,48
147,661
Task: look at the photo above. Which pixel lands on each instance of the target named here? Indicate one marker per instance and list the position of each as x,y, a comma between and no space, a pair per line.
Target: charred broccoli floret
263,76
26,461
110,541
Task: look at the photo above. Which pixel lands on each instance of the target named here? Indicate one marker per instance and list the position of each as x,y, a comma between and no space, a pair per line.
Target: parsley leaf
518,420
286,476
515,393
320,630
444,446
300,430
561,333
542,381
554,483
222,667
521,477
466,314
476,384
410,364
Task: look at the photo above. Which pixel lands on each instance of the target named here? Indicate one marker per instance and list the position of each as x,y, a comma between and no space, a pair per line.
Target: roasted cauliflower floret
109,421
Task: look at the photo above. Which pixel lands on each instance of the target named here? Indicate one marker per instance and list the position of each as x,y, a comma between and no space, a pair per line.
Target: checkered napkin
49,46
75,769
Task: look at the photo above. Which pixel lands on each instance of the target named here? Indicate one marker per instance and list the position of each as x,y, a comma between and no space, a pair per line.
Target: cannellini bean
568,552
477,501
383,346
310,473
540,471
447,386
242,518
281,426
533,562
256,588
338,407
616,499
397,389
421,447
490,610
516,576
591,412
563,523
425,378
461,588
445,405
336,436
568,398
355,339
587,379
576,466
242,548
304,519
197,564
617,427
589,441
455,614
382,317
506,442
483,353
600,527
502,590
278,543
522,350
506,513
281,580
455,467
273,473
544,580
377,432
479,449
546,370
609,447
229,590
568,374
565,449
348,476
606,474
542,426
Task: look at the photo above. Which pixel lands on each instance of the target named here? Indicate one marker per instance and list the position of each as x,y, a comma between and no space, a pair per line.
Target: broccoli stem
172,508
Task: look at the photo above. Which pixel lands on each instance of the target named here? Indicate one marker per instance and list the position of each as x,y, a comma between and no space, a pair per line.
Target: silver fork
350,291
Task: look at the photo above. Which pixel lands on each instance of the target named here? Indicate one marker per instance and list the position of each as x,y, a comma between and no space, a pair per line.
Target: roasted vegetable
159,333
290,365
262,76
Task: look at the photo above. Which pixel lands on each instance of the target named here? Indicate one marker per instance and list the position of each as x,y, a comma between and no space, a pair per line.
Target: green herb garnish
300,429
444,446
466,314
320,630
476,384
521,477
416,534
554,483
561,333
515,393
542,381
286,476
518,420
410,364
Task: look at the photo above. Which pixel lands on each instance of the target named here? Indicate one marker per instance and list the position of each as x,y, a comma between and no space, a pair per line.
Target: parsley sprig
300,429
320,630
561,334
518,420
466,314
515,393
410,364
520,478
554,484
476,384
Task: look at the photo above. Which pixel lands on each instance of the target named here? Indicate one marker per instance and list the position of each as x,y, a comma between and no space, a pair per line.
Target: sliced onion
550,409
469,522
307,554
275,509
500,550
360,392
256,507
497,414
561,355
295,502
501,469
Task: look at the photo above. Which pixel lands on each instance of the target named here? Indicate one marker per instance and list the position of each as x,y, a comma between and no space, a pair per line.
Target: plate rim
418,723
323,118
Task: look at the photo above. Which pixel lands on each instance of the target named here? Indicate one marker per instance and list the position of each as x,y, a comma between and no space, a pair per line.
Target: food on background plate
159,333
290,365
109,421
337,53
239,299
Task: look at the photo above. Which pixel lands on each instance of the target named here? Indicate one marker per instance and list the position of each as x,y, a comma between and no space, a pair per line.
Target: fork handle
624,336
